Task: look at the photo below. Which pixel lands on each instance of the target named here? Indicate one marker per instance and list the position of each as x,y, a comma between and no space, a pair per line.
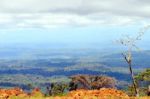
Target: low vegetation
103,93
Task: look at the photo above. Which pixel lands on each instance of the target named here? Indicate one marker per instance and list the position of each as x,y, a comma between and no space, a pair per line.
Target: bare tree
130,44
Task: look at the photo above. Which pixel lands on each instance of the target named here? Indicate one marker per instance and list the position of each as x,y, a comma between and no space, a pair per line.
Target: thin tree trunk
129,61
133,80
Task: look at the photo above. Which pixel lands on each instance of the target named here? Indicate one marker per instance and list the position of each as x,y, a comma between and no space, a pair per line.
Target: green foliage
142,91
58,89
142,81
143,76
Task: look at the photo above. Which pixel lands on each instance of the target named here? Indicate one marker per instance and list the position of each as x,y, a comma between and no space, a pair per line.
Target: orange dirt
104,93
5,93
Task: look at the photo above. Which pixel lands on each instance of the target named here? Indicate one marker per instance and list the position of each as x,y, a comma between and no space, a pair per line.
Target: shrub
91,82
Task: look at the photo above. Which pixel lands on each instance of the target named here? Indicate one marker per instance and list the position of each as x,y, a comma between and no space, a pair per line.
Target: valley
37,67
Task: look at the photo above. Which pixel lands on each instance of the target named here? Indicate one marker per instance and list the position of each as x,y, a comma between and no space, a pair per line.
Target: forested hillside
41,67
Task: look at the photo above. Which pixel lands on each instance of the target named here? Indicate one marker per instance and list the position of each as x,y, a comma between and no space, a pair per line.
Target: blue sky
72,22
82,36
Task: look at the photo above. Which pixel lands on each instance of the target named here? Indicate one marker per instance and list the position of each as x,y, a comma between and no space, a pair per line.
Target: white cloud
53,13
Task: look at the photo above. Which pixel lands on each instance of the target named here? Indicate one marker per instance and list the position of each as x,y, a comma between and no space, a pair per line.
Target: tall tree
130,44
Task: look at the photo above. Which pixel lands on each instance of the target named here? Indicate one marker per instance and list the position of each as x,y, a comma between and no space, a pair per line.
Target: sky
72,22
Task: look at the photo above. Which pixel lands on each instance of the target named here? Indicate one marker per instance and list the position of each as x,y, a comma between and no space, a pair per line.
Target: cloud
54,13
